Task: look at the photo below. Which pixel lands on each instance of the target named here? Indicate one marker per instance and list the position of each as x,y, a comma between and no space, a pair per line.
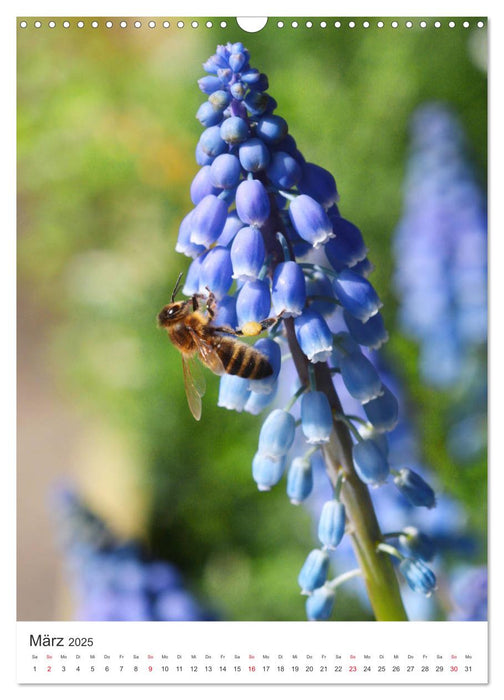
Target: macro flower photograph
252,319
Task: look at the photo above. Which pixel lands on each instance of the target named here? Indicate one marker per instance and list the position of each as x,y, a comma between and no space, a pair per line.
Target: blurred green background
106,138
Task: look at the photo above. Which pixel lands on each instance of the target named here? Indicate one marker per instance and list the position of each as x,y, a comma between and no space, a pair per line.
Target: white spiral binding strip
343,23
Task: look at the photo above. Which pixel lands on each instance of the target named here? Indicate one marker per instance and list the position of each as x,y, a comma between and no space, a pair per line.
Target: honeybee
216,347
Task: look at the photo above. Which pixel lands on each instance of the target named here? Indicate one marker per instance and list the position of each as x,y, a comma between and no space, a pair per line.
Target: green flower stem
376,567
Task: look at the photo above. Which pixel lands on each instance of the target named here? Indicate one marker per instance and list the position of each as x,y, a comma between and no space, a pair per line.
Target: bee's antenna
176,288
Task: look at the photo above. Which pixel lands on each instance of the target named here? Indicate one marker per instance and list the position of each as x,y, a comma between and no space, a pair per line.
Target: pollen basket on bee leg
251,328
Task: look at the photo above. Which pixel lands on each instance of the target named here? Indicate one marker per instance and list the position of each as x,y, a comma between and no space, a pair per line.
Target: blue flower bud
271,128
234,130
356,295
254,155
372,333
313,335
252,202
319,184
417,544
238,90
208,219
202,158
251,76
331,525
418,576
288,292
310,220
313,573
271,349
191,284
267,472
237,61
231,227
208,115
360,377
233,392
414,488
299,480
209,84
219,100
277,434
283,171
216,272
225,171
211,142
370,463
319,285
253,302
247,253
184,244
348,247
225,75
316,417
226,312
256,102
383,412
320,603
202,185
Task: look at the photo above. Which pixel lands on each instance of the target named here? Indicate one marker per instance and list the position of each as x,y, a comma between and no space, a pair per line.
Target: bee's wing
208,355
194,384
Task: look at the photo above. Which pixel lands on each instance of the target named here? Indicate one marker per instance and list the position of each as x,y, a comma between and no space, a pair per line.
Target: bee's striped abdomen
238,358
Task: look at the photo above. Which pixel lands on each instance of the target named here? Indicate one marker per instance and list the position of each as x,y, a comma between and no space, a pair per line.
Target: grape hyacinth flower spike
291,256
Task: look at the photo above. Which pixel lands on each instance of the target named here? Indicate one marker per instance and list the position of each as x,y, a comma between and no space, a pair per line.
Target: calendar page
252,350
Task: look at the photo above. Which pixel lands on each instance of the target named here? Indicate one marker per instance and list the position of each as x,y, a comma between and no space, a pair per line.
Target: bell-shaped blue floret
192,278
283,171
209,83
253,302
266,471
319,184
225,171
271,349
288,292
321,293
208,115
226,312
203,185
184,245
216,272
360,377
252,202
313,335
320,604
208,219
418,576
247,253
383,412
233,392
310,220
299,480
271,128
257,402
357,295
370,463
254,155
231,227
313,573
347,248
414,488
277,434
331,525
316,417
211,142
372,333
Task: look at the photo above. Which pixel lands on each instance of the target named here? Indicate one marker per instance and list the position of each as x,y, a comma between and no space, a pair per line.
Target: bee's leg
256,327
195,300
211,304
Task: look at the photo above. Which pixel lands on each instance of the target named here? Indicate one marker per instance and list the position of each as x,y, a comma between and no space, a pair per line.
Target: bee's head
172,312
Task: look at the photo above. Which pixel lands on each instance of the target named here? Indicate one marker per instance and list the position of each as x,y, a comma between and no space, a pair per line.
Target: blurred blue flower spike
114,580
294,258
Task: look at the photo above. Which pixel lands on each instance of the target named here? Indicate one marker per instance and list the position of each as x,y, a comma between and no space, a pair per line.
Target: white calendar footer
252,652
